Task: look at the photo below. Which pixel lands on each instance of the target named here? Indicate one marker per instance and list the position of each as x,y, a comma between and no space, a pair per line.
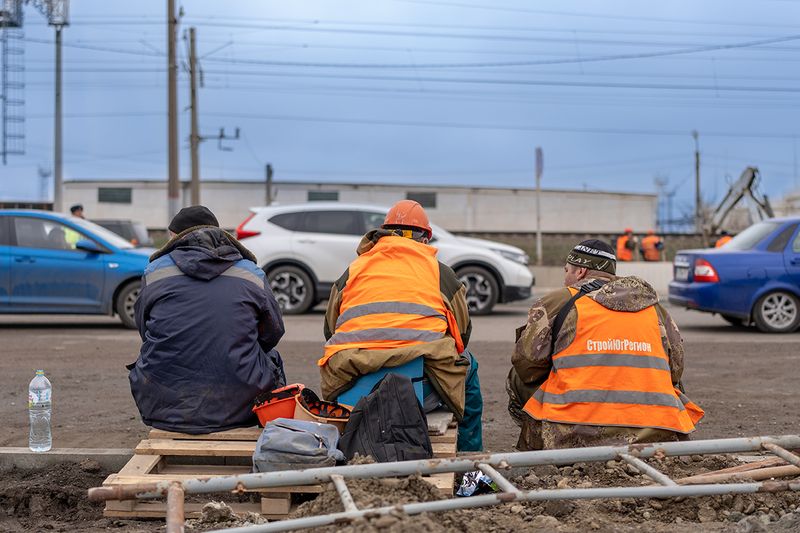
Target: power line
592,15
508,127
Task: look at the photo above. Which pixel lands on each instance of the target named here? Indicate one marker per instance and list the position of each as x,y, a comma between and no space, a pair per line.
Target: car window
796,244
45,234
373,220
753,235
109,236
5,234
338,222
779,243
290,221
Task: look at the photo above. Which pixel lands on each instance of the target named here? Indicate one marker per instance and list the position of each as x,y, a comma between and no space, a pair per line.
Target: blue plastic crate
413,369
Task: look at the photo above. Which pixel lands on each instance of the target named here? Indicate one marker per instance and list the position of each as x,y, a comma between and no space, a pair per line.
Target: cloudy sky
428,91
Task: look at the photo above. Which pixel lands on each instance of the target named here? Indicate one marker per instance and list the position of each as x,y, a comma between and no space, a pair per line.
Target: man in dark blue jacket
209,325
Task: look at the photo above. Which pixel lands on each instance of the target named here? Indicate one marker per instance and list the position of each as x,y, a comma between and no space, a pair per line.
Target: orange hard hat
408,213
628,230
651,232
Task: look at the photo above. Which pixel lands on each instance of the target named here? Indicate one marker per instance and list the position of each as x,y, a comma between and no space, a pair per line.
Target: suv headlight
517,257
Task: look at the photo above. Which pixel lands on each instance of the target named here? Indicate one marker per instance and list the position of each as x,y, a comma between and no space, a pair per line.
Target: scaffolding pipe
313,476
502,482
786,455
175,514
344,494
647,470
654,491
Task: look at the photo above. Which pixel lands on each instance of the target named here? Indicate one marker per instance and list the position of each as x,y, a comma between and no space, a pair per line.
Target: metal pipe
344,494
654,491
647,470
504,484
786,455
175,516
457,464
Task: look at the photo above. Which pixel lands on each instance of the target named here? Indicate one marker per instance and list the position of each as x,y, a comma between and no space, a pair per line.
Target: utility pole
539,168
268,172
173,184
194,137
58,177
698,214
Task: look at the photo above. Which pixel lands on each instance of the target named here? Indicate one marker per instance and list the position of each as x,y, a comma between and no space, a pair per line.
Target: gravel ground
743,379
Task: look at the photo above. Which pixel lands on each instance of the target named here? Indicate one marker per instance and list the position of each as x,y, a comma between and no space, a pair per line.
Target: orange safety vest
392,299
722,240
623,253
615,373
651,253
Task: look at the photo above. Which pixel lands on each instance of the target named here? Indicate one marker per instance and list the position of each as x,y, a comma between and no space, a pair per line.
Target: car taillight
242,233
704,272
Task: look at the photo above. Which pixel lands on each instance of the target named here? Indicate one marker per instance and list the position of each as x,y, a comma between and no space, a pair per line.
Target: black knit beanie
189,217
594,254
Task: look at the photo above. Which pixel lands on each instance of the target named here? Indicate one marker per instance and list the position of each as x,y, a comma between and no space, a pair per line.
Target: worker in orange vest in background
626,245
724,237
652,246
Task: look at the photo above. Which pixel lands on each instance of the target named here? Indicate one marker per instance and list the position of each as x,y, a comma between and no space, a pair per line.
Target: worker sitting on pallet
598,362
209,325
395,303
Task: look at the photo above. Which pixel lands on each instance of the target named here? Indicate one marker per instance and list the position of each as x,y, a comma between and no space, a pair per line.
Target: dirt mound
744,513
219,515
30,498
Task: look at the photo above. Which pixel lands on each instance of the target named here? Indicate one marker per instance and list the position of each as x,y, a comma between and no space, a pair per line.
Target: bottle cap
40,372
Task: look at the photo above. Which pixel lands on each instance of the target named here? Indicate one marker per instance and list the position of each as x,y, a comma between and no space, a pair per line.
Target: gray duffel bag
287,444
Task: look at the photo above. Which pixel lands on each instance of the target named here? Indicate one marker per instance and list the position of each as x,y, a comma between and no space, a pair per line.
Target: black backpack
388,424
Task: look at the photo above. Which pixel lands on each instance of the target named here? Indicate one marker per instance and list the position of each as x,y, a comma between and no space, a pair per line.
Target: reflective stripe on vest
614,373
392,299
403,308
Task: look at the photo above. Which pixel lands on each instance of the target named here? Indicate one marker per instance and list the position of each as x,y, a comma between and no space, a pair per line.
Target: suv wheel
293,289
777,312
126,299
482,289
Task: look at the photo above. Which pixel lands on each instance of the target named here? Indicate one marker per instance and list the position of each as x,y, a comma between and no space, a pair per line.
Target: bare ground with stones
745,381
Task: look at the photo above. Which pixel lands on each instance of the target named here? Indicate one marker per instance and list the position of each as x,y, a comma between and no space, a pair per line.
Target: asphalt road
745,380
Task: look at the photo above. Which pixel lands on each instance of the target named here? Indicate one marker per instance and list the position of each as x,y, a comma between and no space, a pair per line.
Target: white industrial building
480,209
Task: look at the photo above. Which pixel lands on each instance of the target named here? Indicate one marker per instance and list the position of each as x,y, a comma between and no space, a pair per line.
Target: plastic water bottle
40,394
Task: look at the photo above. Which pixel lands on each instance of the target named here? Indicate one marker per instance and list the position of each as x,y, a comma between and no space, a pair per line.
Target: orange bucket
310,407
279,403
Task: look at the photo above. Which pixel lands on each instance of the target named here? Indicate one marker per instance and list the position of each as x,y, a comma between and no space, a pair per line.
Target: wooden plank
444,449
444,482
120,505
279,504
231,434
157,509
450,436
196,448
758,474
438,421
141,464
205,470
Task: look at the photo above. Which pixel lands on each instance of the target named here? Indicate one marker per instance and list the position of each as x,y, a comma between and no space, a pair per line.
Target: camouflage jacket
532,361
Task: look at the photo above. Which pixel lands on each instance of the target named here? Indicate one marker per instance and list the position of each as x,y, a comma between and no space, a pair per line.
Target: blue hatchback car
53,263
754,278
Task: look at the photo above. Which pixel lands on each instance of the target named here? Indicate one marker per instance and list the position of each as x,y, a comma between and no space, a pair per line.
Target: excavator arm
744,189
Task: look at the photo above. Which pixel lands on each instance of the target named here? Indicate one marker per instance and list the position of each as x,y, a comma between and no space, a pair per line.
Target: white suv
304,248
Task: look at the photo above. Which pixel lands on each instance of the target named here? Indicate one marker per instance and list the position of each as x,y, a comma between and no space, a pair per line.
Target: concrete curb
110,459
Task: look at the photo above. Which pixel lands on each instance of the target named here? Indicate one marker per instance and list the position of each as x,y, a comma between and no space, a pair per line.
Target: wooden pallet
169,456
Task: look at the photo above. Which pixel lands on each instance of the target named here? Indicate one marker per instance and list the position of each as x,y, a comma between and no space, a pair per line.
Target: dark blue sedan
754,278
52,263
